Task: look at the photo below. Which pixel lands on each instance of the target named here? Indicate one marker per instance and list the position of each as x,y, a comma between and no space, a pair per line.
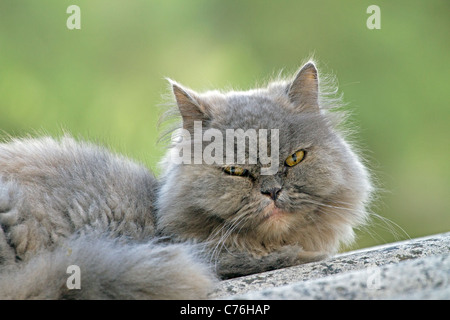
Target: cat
133,236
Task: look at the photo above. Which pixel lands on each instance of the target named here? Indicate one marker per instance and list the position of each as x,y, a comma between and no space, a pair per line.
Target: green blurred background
105,81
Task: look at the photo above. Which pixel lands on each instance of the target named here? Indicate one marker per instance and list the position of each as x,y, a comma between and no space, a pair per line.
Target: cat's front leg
233,263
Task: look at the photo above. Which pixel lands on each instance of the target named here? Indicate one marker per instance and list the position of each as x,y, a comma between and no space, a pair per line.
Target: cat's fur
68,203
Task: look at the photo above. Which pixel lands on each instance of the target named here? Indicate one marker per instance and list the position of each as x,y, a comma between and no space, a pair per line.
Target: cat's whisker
221,242
349,210
220,245
220,228
388,224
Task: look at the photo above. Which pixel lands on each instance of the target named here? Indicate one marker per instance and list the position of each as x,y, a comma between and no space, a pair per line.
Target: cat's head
315,196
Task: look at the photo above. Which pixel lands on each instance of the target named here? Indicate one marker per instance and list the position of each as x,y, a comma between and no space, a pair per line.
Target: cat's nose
272,193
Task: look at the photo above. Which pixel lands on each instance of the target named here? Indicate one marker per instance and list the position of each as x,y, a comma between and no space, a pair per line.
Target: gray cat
65,203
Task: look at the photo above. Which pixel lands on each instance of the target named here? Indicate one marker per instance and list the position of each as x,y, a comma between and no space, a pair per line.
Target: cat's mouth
274,221
273,212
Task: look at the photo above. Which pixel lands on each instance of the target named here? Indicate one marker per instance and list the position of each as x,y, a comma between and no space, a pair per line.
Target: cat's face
314,198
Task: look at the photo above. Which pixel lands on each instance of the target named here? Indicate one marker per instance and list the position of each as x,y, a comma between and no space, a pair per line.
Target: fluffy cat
134,237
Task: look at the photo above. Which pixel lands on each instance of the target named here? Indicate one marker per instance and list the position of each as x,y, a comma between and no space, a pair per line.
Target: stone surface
412,269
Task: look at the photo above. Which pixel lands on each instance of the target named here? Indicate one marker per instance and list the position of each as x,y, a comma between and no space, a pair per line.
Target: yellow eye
295,158
236,171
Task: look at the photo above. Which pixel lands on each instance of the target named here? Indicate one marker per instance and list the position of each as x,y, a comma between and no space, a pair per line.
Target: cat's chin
273,212
275,219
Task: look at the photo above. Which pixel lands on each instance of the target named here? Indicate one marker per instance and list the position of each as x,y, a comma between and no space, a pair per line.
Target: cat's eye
236,171
295,158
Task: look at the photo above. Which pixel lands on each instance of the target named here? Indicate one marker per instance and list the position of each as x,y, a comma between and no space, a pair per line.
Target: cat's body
67,203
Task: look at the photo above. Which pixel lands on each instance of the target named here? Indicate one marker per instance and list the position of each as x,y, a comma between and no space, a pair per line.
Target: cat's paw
9,194
312,256
5,202
295,255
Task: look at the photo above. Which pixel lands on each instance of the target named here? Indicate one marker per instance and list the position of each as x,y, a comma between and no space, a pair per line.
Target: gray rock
412,269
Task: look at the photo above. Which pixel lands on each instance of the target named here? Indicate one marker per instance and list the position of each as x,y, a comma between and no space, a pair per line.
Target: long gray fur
64,202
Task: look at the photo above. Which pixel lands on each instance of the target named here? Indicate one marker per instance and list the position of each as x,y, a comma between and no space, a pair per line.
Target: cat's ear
190,106
304,89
